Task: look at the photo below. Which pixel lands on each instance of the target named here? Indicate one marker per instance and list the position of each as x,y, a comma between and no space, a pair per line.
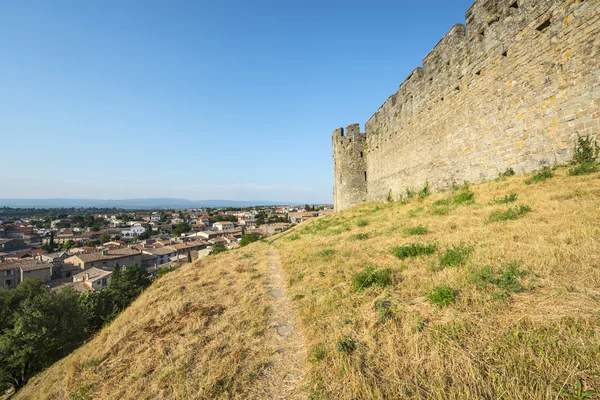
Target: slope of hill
488,291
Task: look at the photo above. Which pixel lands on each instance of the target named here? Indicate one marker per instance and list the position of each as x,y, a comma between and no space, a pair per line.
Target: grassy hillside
489,291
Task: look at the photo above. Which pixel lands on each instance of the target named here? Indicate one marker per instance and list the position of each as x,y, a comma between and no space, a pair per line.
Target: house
299,217
9,275
8,245
248,223
223,225
164,254
132,231
106,259
155,217
54,224
271,229
94,278
56,257
35,269
17,232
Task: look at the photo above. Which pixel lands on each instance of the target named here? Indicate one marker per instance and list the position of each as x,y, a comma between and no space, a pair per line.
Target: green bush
586,150
346,345
510,214
583,169
414,250
317,353
442,295
416,230
465,196
371,276
545,173
505,279
509,198
390,198
457,255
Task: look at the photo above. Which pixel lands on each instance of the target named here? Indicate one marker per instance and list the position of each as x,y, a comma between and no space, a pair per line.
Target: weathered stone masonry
513,88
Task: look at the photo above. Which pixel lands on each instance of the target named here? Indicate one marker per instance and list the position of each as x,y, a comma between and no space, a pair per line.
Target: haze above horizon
197,100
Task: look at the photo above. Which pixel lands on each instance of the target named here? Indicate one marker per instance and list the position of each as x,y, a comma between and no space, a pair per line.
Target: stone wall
513,88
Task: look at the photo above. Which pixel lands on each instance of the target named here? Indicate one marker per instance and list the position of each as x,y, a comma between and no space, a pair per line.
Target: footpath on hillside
285,375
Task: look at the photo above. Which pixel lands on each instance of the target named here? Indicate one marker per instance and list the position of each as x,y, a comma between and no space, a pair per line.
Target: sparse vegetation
346,345
360,236
442,295
540,176
371,276
456,255
383,308
362,223
509,172
505,280
425,191
416,230
511,213
509,198
326,252
414,250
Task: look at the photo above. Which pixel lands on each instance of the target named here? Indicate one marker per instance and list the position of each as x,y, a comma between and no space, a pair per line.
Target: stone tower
349,167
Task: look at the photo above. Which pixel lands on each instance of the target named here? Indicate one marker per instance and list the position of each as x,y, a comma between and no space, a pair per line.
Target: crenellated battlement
496,87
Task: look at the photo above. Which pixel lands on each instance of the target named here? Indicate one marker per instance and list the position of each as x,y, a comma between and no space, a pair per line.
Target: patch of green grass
414,250
457,255
509,214
442,295
416,230
415,212
371,276
293,237
338,231
346,345
505,279
540,176
509,198
465,196
362,222
583,169
383,309
326,252
81,392
317,353
360,236
426,191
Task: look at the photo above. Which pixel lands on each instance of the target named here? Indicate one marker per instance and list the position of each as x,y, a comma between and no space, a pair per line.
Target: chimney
87,277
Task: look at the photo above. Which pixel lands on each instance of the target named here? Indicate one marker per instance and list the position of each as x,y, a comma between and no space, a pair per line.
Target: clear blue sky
196,99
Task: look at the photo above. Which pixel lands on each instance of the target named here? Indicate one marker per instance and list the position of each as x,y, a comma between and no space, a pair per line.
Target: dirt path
288,363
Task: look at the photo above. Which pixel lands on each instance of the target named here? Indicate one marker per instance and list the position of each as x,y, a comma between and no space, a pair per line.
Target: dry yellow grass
203,331
199,332
538,343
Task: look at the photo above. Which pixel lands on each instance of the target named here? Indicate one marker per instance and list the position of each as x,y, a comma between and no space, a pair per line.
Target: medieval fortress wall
513,88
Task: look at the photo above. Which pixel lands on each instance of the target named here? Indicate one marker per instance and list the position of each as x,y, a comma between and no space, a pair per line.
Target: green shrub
509,172
410,194
457,255
545,173
426,191
583,169
346,345
416,230
509,198
505,279
371,276
510,214
414,250
383,309
390,198
587,150
465,196
326,252
362,222
317,353
441,209
442,295
360,236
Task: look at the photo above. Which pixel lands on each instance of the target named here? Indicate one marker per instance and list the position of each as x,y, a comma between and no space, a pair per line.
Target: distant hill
165,202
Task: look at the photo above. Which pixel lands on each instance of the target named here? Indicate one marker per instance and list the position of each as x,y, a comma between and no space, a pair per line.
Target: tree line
39,326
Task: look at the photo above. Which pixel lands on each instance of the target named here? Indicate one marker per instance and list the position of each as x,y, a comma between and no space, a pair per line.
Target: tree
218,248
180,228
249,238
189,257
69,244
39,328
97,307
128,284
50,246
105,237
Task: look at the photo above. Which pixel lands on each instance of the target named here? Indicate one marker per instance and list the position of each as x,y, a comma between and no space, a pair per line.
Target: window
8,272
8,283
